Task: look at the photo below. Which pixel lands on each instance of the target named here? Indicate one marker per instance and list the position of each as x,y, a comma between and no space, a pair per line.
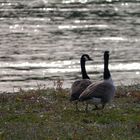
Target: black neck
83,70
106,70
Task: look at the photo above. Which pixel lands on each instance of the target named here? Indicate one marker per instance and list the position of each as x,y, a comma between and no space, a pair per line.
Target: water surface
42,41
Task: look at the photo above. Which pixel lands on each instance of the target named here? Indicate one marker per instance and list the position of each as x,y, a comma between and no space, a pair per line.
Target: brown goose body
99,93
78,87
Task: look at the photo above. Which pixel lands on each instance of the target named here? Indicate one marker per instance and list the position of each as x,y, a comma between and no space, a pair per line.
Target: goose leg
76,104
86,109
103,105
96,108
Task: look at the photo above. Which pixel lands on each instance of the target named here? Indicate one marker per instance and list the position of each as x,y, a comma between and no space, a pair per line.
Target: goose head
107,74
106,55
86,57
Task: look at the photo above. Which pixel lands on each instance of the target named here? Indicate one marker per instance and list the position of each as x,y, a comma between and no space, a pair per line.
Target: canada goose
102,92
80,85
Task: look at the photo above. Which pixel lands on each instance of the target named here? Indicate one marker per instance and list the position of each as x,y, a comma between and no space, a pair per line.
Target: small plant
58,84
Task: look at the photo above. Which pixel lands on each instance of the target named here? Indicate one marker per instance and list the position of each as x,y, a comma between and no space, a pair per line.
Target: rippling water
42,40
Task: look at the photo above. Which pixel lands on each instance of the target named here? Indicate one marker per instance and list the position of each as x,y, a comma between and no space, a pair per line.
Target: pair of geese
99,93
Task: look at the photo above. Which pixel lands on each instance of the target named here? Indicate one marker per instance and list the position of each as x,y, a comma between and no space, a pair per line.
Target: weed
48,114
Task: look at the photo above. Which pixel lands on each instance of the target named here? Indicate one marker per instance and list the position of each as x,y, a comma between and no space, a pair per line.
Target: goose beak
90,59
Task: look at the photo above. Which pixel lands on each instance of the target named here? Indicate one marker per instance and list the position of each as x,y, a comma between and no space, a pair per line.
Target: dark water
41,41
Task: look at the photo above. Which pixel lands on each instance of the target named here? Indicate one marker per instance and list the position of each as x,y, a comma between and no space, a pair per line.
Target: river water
42,41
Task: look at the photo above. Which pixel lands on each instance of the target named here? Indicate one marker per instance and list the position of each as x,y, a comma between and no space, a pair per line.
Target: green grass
47,114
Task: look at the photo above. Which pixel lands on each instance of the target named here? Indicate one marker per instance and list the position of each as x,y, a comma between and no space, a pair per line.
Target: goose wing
78,87
101,90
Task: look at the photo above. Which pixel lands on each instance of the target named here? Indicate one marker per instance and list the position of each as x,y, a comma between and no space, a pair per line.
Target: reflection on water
42,40
18,74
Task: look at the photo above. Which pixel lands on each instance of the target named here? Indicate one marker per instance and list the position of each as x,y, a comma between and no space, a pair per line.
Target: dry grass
129,91
48,114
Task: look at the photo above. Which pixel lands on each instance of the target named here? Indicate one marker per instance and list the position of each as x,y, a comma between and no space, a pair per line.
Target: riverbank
47,114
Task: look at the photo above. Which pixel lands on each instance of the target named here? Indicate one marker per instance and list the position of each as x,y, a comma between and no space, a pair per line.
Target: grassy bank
47,114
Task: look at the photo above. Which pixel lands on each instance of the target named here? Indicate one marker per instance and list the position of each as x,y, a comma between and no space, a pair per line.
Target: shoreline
59,85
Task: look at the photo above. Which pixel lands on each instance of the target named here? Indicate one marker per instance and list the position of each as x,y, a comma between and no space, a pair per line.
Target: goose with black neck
101,92
80,85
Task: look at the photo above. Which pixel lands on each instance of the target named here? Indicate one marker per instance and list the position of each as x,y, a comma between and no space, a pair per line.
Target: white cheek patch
95,101
86,59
